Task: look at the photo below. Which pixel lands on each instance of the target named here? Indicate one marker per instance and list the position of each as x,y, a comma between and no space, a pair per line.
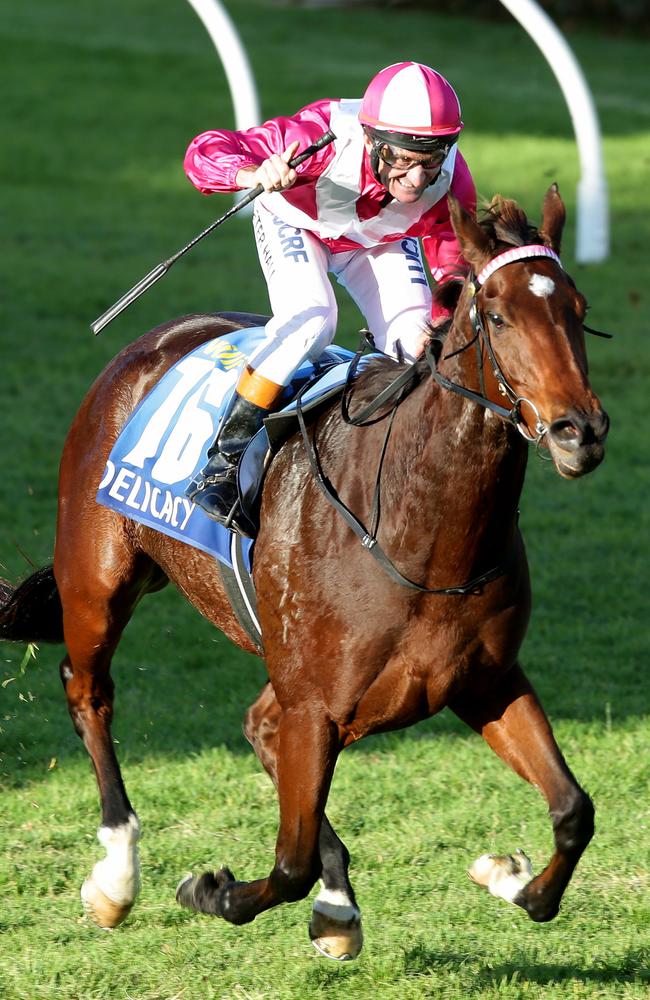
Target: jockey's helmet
411,106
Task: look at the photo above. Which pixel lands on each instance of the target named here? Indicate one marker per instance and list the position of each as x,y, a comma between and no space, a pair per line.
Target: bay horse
349,650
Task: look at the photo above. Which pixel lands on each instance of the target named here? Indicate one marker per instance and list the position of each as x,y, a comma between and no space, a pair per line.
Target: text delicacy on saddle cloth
165,443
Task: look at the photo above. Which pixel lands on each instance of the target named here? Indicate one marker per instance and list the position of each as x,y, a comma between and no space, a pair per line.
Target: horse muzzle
576,442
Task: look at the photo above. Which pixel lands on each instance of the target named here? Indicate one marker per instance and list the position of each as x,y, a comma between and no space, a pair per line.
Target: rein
513,415
399,388
397,391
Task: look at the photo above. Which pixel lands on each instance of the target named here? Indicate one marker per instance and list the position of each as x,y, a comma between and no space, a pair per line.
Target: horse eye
496,321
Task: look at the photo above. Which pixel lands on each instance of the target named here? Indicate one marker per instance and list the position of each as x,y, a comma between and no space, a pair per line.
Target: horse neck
463,464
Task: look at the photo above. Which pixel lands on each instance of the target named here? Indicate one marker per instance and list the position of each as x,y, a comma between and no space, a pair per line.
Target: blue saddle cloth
165,442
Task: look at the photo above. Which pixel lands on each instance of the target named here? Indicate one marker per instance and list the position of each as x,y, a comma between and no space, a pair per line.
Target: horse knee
256,719
249,726
573,825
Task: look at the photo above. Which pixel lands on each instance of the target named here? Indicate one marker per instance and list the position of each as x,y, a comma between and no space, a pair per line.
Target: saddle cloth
165,442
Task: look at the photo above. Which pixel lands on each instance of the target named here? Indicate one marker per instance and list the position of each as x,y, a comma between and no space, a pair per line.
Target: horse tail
32,611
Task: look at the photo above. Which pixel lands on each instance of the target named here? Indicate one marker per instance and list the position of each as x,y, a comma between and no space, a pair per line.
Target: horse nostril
566,434
576,430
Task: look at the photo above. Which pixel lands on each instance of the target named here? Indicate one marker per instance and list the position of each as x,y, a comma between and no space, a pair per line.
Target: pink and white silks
337,219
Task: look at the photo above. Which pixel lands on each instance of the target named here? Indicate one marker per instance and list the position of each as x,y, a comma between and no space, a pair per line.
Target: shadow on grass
474,975
631,968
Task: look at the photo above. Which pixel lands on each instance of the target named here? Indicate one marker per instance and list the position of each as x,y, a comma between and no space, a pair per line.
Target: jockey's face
405,175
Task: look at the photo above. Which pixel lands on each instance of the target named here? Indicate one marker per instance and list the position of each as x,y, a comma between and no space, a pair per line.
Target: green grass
99,102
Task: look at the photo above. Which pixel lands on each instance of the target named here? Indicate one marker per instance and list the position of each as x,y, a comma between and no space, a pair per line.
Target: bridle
401,386
481,339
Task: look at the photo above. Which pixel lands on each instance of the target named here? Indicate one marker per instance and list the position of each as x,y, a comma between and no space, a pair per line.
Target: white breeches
388,283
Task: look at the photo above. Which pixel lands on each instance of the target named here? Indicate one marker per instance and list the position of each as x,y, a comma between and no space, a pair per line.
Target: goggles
397,160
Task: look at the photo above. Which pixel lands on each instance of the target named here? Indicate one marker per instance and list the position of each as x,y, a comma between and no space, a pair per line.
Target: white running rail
592,229
239,74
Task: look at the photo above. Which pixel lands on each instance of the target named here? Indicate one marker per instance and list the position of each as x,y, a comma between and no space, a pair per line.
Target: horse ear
553,219
474,241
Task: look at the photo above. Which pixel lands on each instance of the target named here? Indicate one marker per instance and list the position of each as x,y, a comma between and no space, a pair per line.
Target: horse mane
505,221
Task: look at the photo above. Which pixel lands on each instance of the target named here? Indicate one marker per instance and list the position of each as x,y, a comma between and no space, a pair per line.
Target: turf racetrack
99,102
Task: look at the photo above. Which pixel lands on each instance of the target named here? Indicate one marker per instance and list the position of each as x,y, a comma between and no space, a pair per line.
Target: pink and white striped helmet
413,101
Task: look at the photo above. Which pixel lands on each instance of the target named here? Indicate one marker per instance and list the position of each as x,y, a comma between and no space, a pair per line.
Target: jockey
357,209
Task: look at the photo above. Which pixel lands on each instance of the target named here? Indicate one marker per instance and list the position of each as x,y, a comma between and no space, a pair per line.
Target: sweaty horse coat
349,652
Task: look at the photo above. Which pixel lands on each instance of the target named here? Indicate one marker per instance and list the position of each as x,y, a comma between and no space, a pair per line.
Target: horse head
527,315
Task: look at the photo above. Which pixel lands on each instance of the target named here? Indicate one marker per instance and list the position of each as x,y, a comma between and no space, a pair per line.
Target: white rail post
239,74
592,223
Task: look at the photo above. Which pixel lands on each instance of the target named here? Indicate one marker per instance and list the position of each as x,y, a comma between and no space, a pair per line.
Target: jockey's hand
273,174
438,324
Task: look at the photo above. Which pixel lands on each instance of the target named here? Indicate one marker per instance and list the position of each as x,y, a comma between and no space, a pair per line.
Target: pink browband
516,253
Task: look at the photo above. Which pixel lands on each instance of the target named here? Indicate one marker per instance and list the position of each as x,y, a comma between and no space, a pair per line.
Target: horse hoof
203,893
102,910
503,875
339,940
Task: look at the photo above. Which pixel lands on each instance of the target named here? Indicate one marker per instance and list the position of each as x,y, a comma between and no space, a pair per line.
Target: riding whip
164,266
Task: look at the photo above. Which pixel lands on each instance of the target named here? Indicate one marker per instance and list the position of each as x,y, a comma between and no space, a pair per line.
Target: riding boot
215,490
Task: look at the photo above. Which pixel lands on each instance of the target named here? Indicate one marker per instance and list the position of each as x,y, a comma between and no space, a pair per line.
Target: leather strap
368,539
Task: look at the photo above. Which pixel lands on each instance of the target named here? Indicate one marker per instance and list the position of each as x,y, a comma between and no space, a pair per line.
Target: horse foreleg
512,721
110,891
306,755
335,927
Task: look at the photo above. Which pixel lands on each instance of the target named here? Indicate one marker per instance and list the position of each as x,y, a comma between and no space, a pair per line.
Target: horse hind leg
335,927
110,891
513,723
33,613
95,614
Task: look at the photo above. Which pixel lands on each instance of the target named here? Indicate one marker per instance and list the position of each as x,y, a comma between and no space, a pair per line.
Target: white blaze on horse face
541,285
118,874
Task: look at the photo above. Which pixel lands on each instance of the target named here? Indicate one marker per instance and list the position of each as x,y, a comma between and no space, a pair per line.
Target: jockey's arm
229,161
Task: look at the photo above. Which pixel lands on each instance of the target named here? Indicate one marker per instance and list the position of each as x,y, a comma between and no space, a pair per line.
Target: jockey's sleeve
441,247
214,158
